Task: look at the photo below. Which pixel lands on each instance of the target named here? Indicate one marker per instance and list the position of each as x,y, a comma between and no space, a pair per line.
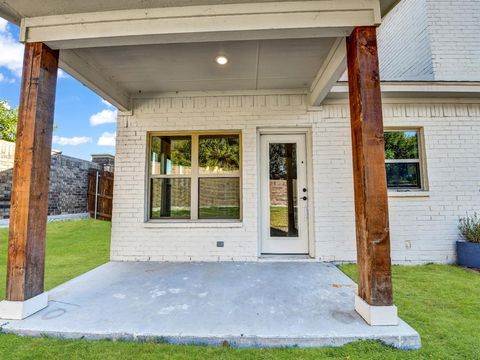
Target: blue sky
85,123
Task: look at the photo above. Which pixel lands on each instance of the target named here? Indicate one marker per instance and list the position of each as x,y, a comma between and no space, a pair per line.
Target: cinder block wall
423,228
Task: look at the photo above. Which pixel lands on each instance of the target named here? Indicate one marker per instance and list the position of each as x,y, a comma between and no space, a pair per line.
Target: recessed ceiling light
221,60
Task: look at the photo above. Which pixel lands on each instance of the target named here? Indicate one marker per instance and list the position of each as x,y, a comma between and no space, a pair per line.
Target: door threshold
286,257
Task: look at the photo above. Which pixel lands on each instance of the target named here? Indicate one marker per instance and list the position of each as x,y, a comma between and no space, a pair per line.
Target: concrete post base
376,315
18,310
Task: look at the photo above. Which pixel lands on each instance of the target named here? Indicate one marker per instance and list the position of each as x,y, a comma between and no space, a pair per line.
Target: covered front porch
262,304
126,53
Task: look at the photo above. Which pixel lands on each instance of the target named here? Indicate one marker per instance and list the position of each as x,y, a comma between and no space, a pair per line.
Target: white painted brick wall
404,43
431,40
454,28
422,229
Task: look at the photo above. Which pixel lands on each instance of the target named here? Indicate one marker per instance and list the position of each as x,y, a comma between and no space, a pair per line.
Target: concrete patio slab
260,304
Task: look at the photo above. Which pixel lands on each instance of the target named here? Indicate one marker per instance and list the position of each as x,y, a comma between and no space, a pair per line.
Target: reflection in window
219,154
219,198
211,181
283,190
170,198
171,155
402,159
401,145
403,175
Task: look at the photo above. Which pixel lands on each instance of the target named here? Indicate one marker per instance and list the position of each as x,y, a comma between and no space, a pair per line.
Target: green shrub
469,227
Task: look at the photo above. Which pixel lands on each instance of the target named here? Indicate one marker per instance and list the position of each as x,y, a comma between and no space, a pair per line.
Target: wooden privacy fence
100,194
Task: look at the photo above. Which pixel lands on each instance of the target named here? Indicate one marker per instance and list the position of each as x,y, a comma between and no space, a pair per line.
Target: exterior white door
284,194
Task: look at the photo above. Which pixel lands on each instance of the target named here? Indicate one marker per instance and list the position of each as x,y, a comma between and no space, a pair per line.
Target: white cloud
11,51
105,102
3,25
61,74
73,141
106,116
107,139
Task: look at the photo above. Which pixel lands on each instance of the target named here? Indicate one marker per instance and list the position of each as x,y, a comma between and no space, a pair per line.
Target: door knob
304,198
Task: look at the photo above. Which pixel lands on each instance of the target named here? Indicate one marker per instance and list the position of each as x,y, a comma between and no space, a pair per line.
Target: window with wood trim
403,159
195,176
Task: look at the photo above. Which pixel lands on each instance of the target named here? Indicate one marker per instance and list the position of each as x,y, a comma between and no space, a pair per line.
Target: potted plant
468,251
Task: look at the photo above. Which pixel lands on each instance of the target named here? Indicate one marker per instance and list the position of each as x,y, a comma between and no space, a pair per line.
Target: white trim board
418,90
331,70
201,23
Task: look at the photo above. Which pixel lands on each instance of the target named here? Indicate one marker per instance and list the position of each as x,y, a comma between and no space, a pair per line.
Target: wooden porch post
29,199
374,301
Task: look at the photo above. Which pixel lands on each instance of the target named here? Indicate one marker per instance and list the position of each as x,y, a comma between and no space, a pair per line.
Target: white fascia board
199,23
416,89
332,68
95,78
9,14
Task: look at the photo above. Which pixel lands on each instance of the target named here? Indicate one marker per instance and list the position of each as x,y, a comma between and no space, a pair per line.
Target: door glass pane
170,198
219,198
283,190
171,155
219,154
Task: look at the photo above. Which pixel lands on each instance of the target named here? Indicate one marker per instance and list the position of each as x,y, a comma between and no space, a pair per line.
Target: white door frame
301,136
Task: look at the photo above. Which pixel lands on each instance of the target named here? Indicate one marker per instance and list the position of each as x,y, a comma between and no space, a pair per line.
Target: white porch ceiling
265,64
119,48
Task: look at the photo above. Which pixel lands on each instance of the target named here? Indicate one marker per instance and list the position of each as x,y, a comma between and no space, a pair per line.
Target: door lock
304,189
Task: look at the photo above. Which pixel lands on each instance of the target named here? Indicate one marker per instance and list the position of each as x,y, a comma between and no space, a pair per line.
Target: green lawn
73,247
441,302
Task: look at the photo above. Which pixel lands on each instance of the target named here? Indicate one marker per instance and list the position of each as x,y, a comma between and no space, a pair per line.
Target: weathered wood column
29,199
374,301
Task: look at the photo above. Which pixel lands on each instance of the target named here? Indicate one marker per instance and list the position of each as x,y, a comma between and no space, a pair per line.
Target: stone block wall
68,184
106,161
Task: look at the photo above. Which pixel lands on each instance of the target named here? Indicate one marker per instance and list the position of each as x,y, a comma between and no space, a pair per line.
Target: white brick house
423,221
236,141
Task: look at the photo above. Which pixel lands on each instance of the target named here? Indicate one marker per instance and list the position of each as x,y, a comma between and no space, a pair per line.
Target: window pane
171,155
170,198
401,144
283,190
219,154
219,198
403,175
